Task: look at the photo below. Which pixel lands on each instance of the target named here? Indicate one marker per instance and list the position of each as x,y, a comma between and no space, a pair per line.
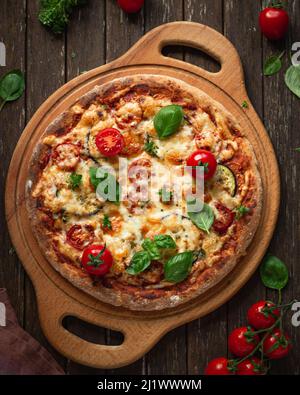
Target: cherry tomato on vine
203,158
96,260
251,367
242,341
131,6
274,22
261,315
109,142
277,345
218,366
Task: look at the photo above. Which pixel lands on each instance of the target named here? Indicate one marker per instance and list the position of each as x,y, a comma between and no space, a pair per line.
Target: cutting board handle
148,50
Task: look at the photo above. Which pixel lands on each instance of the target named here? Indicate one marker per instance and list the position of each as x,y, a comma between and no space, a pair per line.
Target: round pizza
144,193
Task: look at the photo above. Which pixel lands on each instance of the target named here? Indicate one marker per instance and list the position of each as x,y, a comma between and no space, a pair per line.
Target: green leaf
245,104
203,219
164,241
274,273
139,262
75,180
152,249
240,211
99,176
106,222
150,146
292,79
168,120
12,86
273,64
178,267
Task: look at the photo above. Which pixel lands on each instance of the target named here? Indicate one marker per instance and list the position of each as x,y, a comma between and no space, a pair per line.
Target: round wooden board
56,297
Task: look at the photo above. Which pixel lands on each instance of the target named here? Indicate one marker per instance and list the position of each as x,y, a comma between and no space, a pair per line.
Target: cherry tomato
260,316
218,366
274,22
242,341
203,158
277,345
80,237
109,142
96,260
131,6
251,367
224,220
66,156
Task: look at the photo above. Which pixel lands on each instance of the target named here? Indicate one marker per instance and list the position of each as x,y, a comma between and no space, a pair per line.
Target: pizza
113,197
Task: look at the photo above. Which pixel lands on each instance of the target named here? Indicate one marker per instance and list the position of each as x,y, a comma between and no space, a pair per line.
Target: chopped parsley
75,180
150,146
245,104
241,211
106,222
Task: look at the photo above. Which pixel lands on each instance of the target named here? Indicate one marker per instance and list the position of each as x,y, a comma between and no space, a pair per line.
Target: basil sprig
168,120
202,219
274,273
101,180
151,251
178,267
12,86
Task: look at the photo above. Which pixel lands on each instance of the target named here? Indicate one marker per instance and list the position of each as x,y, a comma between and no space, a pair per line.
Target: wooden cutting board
56,297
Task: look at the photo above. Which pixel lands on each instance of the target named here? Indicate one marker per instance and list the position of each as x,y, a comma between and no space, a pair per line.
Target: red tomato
251,367
109,142
277,345
97,260
66,156
224,220
131,6
203,158
274,22
218,366
259,317
242,341
80,237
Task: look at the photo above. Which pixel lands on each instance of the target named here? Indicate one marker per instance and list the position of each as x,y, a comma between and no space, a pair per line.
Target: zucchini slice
225,177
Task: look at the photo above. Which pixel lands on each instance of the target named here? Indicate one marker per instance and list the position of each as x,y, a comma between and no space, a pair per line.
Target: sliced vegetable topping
109,142
205,159
224,220
226,179
168,120
80,237
97,260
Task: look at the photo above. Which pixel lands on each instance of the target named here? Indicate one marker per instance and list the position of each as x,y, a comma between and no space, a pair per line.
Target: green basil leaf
203,219
139,262
97,176
178,267
164,241
292,79
272,65
168,120
274,273
152,249
12,85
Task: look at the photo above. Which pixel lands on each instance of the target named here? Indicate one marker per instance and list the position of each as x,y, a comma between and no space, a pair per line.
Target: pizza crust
139,300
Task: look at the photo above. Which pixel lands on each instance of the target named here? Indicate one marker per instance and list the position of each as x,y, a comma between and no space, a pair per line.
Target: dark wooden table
97,34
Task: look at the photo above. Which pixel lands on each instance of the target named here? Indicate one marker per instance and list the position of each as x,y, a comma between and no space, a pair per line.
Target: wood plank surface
99,33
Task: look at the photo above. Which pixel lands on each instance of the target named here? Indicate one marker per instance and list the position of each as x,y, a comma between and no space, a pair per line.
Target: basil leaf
272,65
97,176
292,79
274,273
152,249
168,120
178,267
164,241
203,219
139,262
12,85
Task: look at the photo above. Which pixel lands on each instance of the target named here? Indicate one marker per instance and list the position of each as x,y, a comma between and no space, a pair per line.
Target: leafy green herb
164,241
106,222
241,211
105,182
165,195
178,267
168,120
297,149
202,219
75,180
96,260
292,79
152,249
55,13
245,104
274,273
273,64
150,146
139,262
12,86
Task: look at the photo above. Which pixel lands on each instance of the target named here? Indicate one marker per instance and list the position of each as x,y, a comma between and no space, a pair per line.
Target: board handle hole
92,333
193,56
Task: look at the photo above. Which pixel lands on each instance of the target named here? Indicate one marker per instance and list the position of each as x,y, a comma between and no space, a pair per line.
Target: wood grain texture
87,37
